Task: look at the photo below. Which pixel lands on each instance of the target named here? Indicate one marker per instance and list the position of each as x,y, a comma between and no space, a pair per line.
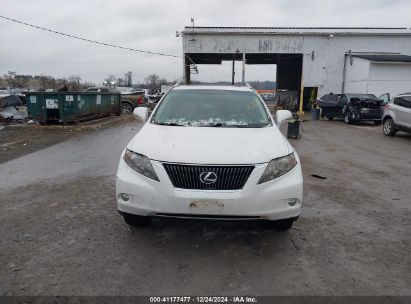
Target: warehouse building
323,60
378,74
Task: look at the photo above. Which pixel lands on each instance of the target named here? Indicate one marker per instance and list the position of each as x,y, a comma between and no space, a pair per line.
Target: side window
334,98
407,101
399,101
329,97
325,97
343,99
385,98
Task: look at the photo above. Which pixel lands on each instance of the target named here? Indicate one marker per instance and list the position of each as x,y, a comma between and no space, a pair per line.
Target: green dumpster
69,107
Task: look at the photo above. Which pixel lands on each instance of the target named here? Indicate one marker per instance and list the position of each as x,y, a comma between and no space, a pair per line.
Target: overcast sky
151,25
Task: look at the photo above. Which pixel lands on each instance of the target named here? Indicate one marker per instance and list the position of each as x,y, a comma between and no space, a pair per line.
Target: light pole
236,52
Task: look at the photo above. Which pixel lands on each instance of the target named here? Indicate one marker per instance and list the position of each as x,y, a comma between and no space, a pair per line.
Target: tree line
152,82
13,80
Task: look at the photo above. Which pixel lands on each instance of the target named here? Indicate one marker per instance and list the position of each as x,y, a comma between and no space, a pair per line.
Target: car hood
207,145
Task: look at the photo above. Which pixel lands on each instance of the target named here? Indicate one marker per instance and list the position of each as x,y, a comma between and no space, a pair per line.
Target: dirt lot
61,235
18,141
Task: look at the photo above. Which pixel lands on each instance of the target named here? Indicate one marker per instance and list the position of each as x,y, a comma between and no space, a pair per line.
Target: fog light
125,197
293,201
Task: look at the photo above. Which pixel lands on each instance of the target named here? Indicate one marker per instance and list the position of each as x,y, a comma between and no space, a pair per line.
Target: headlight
140,163
277,167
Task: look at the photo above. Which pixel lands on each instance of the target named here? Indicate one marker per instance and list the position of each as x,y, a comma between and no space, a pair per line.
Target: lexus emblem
208,177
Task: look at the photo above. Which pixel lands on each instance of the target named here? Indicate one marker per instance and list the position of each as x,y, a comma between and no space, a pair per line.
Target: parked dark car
352,107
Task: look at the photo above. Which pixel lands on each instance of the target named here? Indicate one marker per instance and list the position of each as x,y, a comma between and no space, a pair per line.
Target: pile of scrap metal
12,108
286,100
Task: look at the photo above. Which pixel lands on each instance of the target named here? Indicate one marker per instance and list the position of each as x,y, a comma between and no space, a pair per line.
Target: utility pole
236,52
232,80
243,78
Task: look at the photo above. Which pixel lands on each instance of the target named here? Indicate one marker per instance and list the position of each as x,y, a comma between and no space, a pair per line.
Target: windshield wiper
252,125
219,124
162,123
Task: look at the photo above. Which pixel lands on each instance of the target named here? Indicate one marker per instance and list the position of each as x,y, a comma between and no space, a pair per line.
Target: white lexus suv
210,152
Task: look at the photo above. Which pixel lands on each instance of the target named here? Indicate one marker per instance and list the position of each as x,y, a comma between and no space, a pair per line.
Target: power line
89,40
107,44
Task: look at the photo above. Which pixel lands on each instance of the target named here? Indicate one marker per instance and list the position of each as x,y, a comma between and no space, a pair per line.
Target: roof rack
178,83
247,85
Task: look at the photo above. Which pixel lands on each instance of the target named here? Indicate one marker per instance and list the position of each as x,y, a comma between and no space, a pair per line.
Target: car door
340,103
385,98
327,103
403,111
406,111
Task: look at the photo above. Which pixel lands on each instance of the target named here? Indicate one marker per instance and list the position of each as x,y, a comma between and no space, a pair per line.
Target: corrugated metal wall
324,71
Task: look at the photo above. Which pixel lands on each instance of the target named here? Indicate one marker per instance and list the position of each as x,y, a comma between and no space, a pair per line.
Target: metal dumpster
71,107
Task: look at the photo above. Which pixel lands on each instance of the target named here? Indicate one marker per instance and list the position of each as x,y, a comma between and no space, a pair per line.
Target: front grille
227,177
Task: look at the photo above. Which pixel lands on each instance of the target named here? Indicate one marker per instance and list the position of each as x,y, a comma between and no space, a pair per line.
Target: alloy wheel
126,108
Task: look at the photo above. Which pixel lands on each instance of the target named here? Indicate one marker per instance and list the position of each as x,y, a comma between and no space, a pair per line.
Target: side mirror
141,113
282,115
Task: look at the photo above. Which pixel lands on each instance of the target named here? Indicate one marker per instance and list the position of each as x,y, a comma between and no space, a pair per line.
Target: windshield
211,108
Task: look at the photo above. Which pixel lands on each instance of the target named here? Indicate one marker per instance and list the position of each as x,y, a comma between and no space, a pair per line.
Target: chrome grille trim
229,177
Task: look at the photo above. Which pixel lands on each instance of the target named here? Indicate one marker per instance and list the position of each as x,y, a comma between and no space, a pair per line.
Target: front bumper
371,114
270,200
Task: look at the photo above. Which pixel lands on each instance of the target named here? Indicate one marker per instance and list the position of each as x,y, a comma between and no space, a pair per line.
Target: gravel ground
61,234
19,141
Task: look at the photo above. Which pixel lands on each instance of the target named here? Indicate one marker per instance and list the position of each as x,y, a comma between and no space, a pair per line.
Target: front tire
348,117
137,221
388,127
126,108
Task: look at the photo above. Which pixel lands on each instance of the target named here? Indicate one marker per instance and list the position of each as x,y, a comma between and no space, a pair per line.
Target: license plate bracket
206,206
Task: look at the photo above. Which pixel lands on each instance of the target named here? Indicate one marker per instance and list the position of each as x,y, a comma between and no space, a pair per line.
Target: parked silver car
397,115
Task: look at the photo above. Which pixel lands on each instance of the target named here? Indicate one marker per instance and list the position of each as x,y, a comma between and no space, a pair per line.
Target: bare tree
128,79
20,81
162,81
87,84
153,82
10,79
43,81
74,83
120,82
110,79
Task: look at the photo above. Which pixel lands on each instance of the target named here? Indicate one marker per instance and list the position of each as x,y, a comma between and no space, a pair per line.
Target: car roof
357,94
242,88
